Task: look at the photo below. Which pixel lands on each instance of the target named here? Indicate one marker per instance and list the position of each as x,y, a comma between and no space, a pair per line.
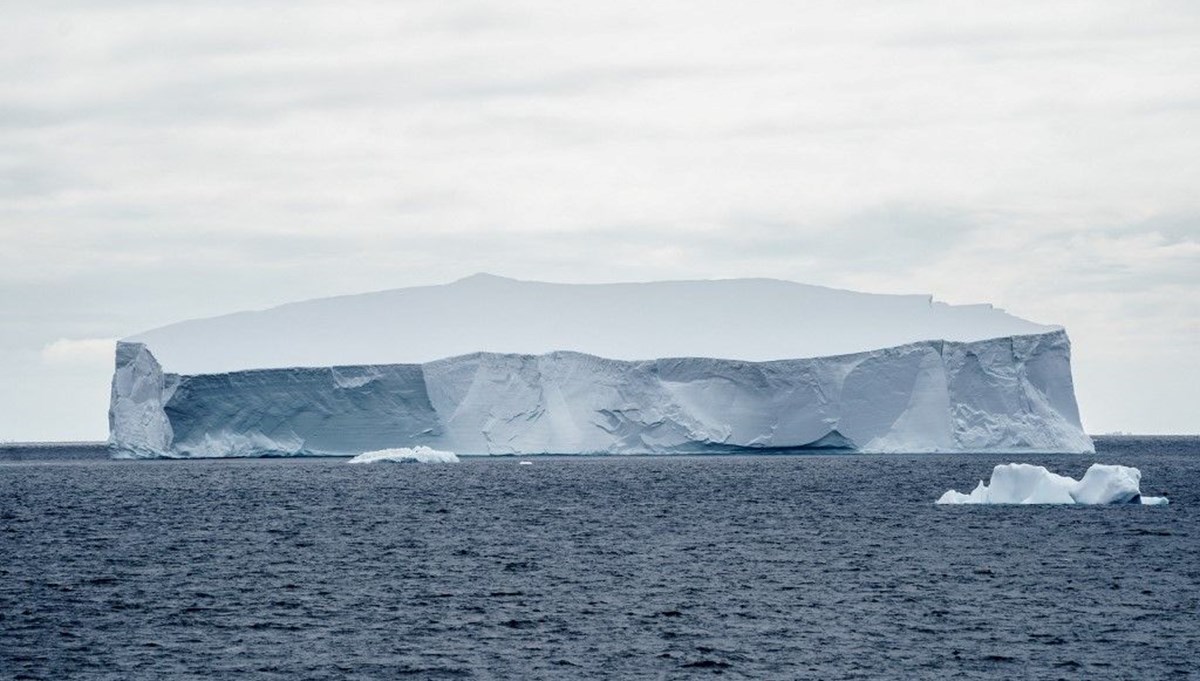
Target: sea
761,567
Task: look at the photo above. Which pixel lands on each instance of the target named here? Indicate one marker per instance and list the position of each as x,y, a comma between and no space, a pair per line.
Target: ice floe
406,455
1022,483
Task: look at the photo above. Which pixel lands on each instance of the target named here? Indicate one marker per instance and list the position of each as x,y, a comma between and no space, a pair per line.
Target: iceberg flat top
738,319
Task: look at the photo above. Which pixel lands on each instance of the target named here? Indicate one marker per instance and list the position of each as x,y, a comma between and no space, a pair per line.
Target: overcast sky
161,162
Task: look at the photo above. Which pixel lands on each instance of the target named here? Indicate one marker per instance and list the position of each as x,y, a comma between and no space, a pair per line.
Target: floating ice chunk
1103,484
1022,483
405,455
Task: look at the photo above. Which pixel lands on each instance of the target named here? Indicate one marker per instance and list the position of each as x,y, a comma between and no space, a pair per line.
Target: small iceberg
406,455
1022,483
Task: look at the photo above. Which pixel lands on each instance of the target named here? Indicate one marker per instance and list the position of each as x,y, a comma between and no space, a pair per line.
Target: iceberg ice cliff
1022,483
962,391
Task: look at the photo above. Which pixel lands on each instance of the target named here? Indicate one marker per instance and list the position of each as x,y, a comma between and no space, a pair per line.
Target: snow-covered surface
1004,394
406,455
1022,483
736,319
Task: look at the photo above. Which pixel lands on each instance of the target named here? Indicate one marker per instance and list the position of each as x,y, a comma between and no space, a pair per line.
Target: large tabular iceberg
1022,483
495,366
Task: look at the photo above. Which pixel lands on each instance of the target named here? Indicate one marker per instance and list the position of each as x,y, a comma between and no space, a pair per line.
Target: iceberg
406,455
489,365
1022,483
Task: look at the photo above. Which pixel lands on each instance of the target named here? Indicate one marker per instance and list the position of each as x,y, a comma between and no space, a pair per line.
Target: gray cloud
160,162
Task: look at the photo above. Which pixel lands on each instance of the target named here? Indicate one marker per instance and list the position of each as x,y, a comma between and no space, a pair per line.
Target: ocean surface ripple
746,567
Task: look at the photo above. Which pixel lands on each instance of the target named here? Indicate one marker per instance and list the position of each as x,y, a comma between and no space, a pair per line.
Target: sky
162,161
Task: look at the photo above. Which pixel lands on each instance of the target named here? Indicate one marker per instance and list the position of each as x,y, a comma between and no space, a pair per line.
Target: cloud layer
160,162
84,352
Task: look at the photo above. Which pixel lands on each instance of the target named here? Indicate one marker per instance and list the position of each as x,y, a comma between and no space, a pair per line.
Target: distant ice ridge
1022,483
753,320
416,454
1003,394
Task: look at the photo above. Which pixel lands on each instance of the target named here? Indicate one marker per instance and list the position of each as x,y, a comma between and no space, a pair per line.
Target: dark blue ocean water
745,567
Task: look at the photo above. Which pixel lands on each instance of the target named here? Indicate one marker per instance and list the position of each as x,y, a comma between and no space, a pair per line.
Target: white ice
406,455
1022,483
488,365
1007,394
